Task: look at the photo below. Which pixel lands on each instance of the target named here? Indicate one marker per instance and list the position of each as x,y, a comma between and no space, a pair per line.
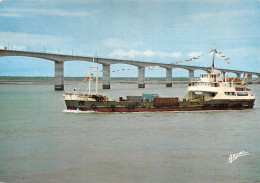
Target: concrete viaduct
59,60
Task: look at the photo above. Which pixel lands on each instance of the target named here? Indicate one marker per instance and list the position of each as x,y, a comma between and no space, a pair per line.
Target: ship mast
213,58
89,83
95,77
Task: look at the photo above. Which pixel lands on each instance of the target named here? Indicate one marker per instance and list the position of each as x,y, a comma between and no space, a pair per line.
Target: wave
77,111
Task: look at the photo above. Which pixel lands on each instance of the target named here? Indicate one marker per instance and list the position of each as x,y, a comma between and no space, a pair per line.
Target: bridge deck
59,60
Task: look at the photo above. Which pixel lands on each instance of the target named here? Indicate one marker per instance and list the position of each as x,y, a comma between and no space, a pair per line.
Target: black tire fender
131,106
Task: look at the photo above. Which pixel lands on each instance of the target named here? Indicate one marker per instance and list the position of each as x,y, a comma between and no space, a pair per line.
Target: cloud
60,1
79,2
18,12
148,1
194,54
21,41
94,1
147,53
16,15
112,43
119,43
222,14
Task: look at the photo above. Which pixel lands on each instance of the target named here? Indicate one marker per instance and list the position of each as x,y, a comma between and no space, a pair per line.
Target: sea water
42,142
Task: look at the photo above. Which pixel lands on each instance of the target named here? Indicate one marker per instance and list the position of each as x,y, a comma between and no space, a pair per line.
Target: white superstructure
212,86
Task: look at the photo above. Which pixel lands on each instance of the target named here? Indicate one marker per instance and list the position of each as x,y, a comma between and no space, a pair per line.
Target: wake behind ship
210,92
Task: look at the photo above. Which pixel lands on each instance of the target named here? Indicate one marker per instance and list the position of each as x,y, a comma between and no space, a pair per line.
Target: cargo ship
211,92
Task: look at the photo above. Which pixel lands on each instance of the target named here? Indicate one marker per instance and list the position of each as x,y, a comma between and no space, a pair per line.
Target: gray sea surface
42,142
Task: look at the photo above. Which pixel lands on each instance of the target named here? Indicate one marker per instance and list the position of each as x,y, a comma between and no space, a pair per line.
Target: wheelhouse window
204,76
230,93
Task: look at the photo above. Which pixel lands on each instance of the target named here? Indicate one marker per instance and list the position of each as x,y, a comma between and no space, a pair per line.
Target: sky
163,31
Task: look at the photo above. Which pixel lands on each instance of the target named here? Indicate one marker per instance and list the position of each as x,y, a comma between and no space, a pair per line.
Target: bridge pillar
141,77
59,75
106,76
258,79
169,77
249,80
191,75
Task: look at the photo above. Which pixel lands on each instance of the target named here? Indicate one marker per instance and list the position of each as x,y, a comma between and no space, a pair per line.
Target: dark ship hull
160,104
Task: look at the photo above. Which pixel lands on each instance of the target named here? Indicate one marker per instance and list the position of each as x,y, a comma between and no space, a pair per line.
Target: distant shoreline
50,80
81,78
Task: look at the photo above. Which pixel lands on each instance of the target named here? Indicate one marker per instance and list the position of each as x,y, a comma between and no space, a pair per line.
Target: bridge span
59,60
